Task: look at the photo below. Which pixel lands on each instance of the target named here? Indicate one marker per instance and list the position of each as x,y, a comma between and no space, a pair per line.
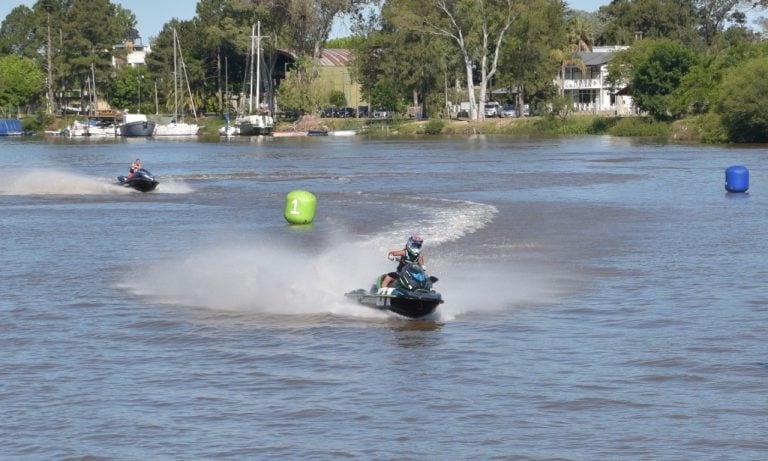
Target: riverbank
687,130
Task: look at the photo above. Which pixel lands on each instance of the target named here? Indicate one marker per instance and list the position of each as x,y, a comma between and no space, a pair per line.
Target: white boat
289,134
94,126
89,129
229,130
255,124
176,127
342,133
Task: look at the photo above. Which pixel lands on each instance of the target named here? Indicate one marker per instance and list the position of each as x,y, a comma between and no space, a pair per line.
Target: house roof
331,57
335,57
591,58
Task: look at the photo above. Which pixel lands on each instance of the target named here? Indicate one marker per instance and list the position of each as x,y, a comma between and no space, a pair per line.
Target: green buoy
300,207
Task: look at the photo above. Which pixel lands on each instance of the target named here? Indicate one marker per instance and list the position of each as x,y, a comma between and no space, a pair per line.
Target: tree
655,69
49,16
337,98
297,92
395,64
123,88
90,31
532,38
698,91
222,32
21,81
626,21
579,38
743,101
189,78
477,28
17,33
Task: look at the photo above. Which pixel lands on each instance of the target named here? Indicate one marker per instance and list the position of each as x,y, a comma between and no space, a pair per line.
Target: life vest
408,257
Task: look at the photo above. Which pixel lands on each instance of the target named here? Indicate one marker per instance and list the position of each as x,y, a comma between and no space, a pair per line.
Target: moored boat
177,129
90,128
256,121
342,133
10,127
260,124
136,125
289,134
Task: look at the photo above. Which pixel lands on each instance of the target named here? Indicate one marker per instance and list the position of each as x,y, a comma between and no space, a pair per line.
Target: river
605,298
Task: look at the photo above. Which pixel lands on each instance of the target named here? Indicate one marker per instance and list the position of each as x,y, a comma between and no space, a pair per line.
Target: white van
492,109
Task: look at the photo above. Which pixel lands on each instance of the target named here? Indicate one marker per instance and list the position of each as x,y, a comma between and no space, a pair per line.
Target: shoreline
686,130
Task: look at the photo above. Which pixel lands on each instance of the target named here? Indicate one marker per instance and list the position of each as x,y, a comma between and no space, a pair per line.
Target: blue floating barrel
736,179
300,207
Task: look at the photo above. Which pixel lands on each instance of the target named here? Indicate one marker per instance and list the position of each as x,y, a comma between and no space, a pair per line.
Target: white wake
273,277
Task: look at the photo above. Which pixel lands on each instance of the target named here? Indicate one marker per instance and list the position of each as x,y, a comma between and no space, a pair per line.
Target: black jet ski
412,296
142,180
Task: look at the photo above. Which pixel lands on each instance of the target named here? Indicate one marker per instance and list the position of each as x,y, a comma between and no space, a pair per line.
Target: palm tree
579,39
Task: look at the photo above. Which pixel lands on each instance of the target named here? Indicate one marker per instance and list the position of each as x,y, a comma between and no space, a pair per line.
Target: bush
39,122
743,102
640,126
711,129
434,127
601,125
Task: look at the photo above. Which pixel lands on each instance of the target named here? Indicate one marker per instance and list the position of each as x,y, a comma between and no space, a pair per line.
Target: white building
135,54
590,90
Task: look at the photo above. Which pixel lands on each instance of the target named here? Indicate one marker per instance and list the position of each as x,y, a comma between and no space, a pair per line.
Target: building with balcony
590,90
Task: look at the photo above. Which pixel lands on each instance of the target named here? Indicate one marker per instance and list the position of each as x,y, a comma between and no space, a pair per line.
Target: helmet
413,245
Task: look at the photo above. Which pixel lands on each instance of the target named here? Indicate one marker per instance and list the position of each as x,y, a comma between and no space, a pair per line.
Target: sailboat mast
175,81
258,65
93,91
250,98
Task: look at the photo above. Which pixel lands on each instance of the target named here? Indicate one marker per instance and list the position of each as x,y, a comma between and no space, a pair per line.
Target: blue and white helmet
413,245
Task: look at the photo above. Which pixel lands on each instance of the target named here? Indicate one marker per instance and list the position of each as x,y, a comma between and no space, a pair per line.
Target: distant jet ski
412,296
142,180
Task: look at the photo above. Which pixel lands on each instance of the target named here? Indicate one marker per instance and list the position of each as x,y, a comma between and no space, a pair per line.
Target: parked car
346,112
509,111
381,113
328,112
362,111
492,109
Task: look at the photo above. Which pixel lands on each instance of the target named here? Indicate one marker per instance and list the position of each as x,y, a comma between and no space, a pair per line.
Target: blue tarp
10,126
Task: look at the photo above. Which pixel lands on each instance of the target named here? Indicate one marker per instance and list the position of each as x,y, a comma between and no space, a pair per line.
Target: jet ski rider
135,166
410,254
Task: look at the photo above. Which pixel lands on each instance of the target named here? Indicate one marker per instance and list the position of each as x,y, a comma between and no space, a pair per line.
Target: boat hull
255,125
139,185
142,181
177,129
10,127
408,304
139,129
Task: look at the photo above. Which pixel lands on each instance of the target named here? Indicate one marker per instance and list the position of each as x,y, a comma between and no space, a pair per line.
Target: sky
152,14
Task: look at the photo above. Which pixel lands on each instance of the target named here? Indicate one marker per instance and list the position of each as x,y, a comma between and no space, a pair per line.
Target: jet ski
142,180
412,296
